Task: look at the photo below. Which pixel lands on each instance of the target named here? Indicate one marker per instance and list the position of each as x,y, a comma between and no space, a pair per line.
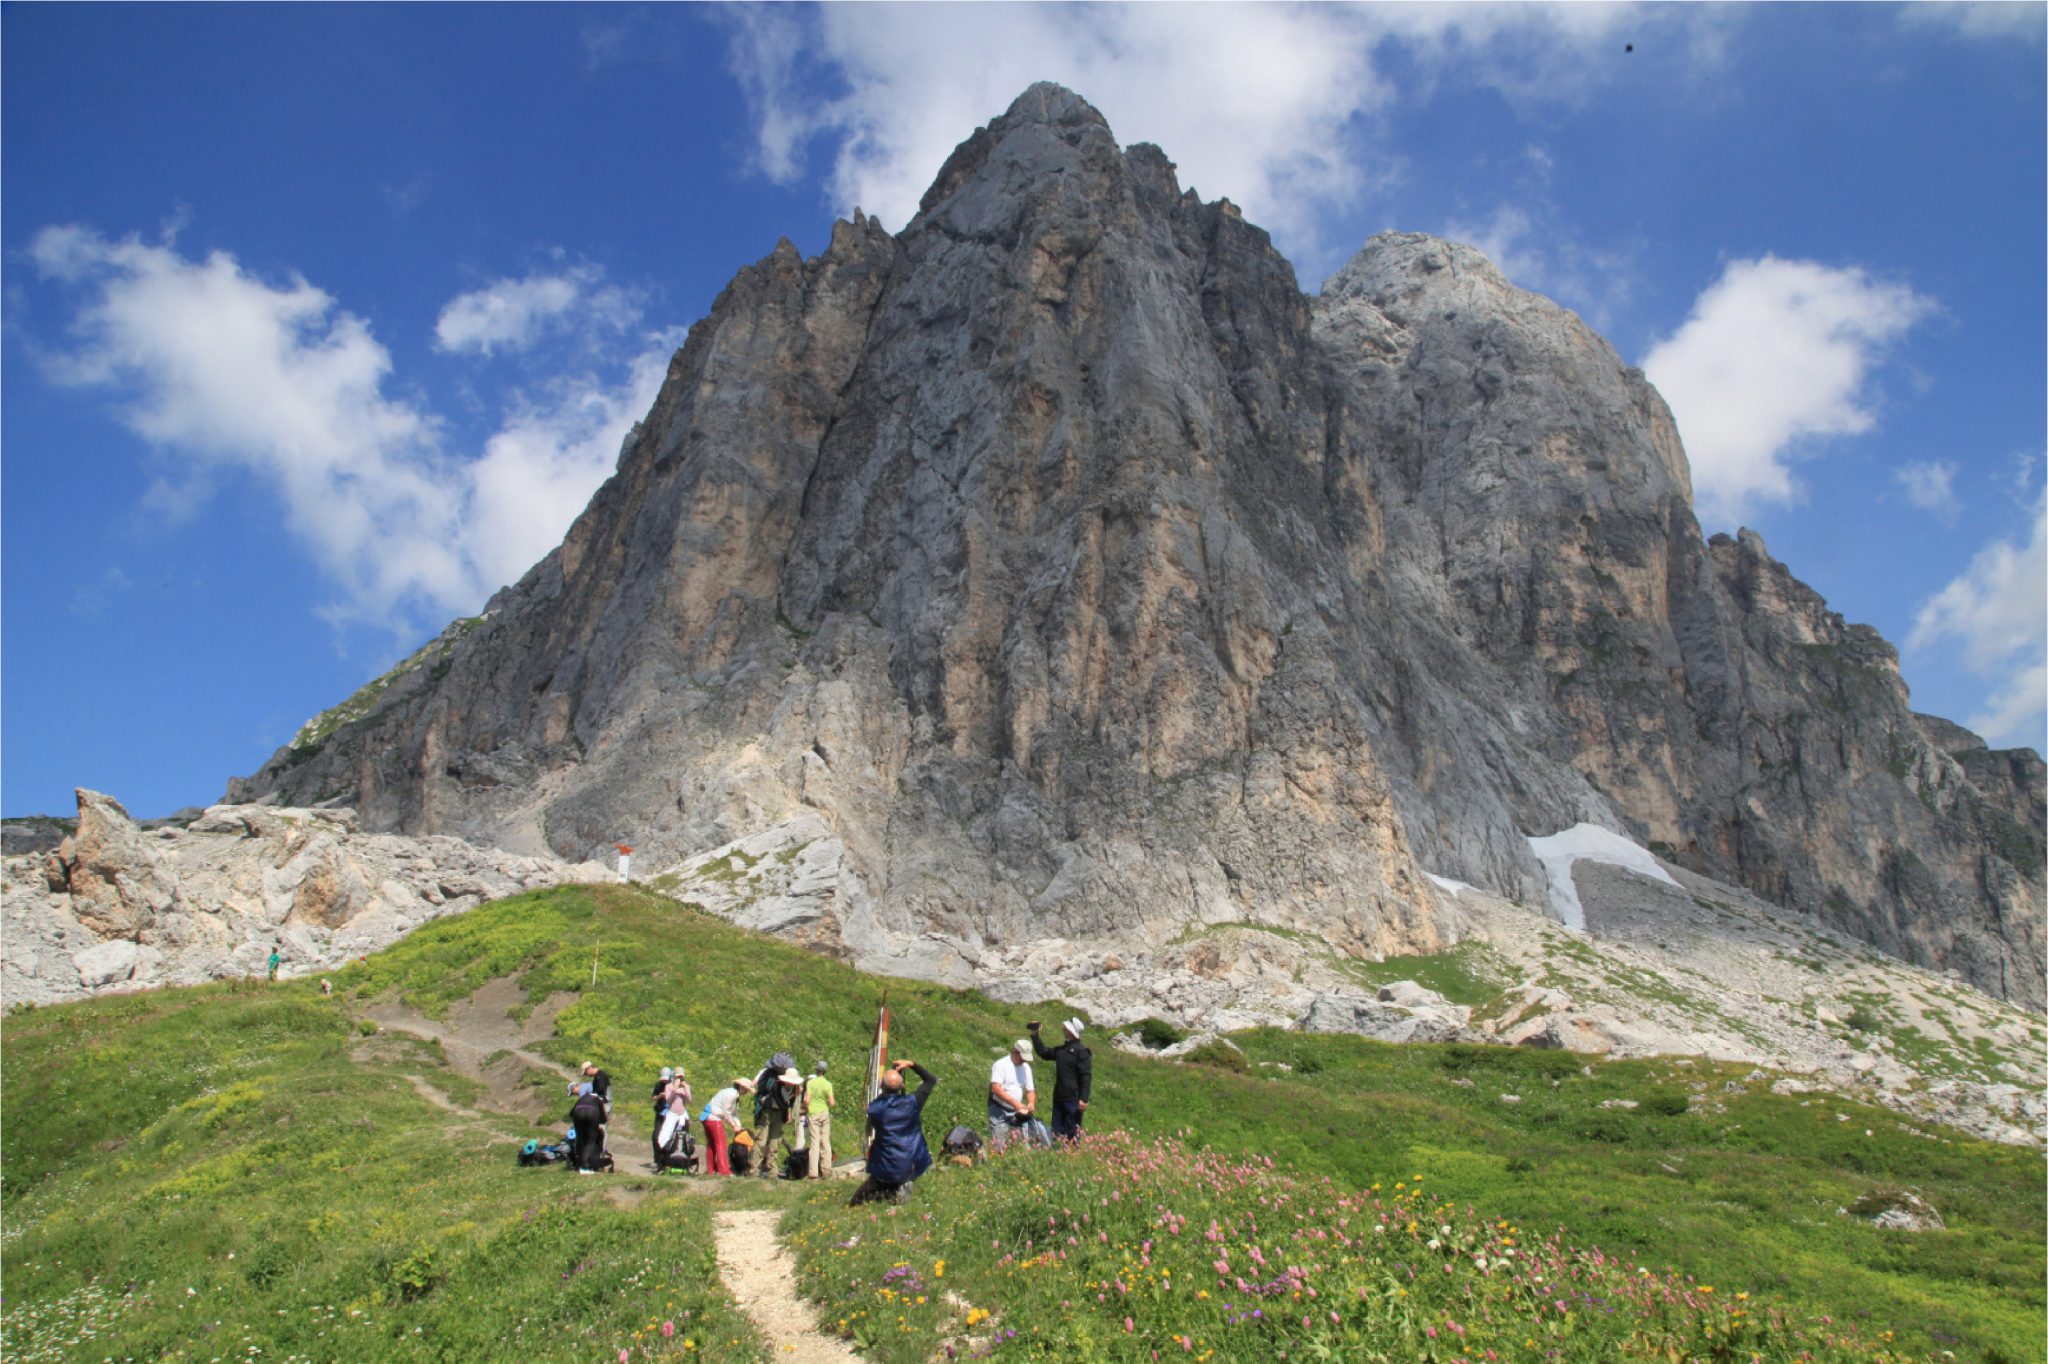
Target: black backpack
765,1085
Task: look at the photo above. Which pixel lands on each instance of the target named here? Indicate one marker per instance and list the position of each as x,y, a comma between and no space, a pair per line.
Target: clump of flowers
1122,1249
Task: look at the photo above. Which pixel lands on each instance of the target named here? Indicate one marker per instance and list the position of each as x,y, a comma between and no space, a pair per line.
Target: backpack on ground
797,1165
534,1154
679,1152
962,1143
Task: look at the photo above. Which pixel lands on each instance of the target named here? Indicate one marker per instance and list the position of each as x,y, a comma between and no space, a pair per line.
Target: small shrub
415,1275
1863,1019
1157,1033
1219,1054
1667,1103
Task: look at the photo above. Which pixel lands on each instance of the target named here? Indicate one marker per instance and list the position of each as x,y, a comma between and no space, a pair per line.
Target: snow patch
1593,844
1446,883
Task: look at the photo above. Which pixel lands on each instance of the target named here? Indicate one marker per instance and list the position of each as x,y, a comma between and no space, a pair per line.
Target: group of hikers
788,1129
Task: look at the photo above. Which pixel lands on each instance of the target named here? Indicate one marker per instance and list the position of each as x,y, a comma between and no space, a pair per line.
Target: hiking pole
593,966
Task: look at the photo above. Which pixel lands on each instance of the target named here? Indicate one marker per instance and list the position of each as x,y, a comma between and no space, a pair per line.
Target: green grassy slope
150,1136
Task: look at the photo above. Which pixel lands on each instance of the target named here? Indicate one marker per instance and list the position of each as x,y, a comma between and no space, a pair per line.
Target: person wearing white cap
1073,1078
1012,1095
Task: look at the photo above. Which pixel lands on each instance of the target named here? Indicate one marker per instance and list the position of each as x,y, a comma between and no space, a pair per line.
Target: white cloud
1594,282
1260,103
1998,611
512,314
541,467
228,375
1776,355
1998,20
1930,485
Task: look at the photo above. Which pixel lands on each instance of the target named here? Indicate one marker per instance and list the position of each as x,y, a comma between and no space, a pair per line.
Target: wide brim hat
790,1077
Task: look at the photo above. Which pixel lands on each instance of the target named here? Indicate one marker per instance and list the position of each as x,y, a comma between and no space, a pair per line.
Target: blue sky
322,322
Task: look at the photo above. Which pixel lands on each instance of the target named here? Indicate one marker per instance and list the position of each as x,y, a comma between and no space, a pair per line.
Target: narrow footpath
760,1274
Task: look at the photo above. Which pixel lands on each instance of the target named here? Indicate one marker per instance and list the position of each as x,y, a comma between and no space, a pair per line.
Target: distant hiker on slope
818,1105
275,961
1073,1078
896,1150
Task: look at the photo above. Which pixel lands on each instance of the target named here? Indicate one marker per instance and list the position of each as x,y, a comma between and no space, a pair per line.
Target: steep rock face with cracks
1078,576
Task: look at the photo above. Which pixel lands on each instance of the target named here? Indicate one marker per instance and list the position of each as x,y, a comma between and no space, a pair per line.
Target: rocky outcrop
120,907
1086,581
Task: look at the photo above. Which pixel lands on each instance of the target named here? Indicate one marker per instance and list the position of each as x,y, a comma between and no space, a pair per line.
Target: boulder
111,963
118,881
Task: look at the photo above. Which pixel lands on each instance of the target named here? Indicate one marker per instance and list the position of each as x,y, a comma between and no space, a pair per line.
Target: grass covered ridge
153,1135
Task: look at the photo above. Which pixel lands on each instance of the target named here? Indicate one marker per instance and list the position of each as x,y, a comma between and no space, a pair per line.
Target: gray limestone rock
180,905
1084,580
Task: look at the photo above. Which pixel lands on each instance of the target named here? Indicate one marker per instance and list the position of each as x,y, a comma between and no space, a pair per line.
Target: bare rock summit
1075,576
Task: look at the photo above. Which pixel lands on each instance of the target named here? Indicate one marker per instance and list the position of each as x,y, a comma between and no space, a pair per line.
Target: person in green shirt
818,1105
275,960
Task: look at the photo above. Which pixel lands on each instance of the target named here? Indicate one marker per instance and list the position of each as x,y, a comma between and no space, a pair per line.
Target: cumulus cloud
513,314
230,375
1260,103
1997,610
540,468
1930,485
1776,355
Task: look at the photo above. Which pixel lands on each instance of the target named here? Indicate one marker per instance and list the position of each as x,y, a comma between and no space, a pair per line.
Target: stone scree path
761,1276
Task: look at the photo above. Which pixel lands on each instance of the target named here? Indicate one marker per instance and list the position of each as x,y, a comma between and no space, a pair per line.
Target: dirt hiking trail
761,1276
481,1028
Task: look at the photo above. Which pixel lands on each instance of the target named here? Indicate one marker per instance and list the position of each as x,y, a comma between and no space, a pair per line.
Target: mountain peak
1088,582
1053,103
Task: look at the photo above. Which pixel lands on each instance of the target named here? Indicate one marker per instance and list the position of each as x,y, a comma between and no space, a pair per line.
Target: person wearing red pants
721,1120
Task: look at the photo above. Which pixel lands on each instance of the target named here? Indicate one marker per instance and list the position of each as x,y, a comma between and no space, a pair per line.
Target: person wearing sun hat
1073,1078
721,1119
780,1126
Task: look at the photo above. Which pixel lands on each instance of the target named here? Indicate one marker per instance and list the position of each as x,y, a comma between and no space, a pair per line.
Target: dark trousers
872,1188
1066,1119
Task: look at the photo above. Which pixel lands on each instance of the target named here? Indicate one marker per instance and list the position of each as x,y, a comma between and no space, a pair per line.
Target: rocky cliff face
119,906
1083,578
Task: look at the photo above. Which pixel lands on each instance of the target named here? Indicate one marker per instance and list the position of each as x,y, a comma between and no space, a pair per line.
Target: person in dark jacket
1073,1078
587,1116
896,1150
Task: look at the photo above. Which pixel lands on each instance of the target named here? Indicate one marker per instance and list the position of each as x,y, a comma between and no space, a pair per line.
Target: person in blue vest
896,1150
